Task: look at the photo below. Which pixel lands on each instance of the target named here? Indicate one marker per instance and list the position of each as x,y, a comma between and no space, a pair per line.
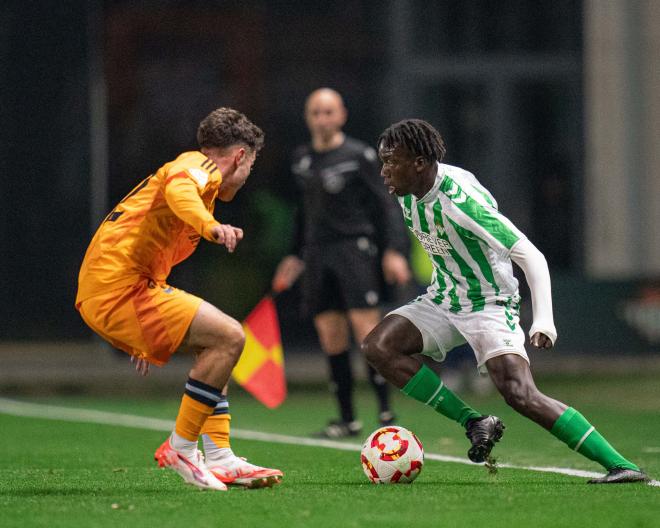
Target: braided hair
417,136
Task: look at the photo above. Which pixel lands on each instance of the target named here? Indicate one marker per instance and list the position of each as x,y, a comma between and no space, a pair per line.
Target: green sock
427,387
577,433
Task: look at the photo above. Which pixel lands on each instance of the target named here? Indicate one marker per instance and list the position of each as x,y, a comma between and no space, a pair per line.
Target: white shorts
491,332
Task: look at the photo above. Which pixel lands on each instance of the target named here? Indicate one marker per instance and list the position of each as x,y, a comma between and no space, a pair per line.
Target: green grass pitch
63,474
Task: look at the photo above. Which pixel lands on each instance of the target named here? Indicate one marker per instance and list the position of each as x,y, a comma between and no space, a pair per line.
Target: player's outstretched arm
183,198
543,333
226,235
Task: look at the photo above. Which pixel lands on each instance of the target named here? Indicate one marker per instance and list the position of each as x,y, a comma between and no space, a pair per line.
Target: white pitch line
70,414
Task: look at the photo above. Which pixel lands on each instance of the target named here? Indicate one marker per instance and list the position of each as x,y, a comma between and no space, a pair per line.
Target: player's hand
540,340
395,267
226,235
141,365
287,273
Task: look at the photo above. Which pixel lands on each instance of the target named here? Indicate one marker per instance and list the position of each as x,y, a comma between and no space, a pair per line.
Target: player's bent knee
229,337
235,337
374,349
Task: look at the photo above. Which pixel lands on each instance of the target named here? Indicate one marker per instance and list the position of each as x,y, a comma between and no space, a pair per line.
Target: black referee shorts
341,276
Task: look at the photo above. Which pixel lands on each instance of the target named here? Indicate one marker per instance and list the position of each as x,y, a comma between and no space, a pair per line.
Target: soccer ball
392,455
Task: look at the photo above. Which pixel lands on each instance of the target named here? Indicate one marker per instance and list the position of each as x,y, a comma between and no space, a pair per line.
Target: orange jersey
157,225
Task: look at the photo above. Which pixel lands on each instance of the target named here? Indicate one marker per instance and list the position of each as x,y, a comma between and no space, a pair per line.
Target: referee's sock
341,376
380,388
577,433
425,386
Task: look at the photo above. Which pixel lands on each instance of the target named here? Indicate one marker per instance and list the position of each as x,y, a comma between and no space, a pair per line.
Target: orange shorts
146,319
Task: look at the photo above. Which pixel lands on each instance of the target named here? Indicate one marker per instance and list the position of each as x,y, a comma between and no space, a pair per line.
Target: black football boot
483,433
619,475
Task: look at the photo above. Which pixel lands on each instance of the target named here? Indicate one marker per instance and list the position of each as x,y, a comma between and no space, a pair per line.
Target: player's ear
239,155
420,163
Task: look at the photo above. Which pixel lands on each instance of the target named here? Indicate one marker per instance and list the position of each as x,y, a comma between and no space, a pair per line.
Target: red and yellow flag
260,370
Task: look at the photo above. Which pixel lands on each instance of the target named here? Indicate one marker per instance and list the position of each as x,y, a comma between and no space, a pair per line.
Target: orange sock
216,427
191,418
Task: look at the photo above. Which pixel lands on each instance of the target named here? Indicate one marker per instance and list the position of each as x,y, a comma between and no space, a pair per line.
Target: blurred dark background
96,95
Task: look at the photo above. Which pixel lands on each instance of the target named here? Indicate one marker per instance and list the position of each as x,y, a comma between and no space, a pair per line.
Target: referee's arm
389,225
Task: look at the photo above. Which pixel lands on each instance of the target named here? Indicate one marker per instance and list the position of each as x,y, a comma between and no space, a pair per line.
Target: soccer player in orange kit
123,295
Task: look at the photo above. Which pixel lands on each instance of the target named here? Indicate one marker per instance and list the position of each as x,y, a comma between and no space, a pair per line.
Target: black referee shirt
343,196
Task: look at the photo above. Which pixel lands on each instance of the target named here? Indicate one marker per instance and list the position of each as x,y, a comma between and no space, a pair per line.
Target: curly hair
417,136
225,127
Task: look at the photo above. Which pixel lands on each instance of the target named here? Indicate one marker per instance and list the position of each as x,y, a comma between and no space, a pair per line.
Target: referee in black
350,238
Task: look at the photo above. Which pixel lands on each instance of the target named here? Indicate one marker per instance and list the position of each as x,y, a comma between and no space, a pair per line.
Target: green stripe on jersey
474,285
442,265
477,212
423,223
472,245
438,279
485,196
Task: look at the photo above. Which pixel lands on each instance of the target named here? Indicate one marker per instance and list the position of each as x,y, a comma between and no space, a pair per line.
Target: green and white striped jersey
467,239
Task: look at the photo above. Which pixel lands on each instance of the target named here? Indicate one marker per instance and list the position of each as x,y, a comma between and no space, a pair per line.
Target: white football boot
237,471
192,469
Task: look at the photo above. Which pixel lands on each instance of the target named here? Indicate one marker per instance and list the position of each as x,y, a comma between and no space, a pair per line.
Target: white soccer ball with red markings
392,455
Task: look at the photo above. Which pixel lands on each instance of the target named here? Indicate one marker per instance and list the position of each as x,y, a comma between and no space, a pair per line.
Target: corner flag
260,370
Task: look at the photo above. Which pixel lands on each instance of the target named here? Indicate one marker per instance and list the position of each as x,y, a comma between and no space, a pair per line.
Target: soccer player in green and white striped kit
474,299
